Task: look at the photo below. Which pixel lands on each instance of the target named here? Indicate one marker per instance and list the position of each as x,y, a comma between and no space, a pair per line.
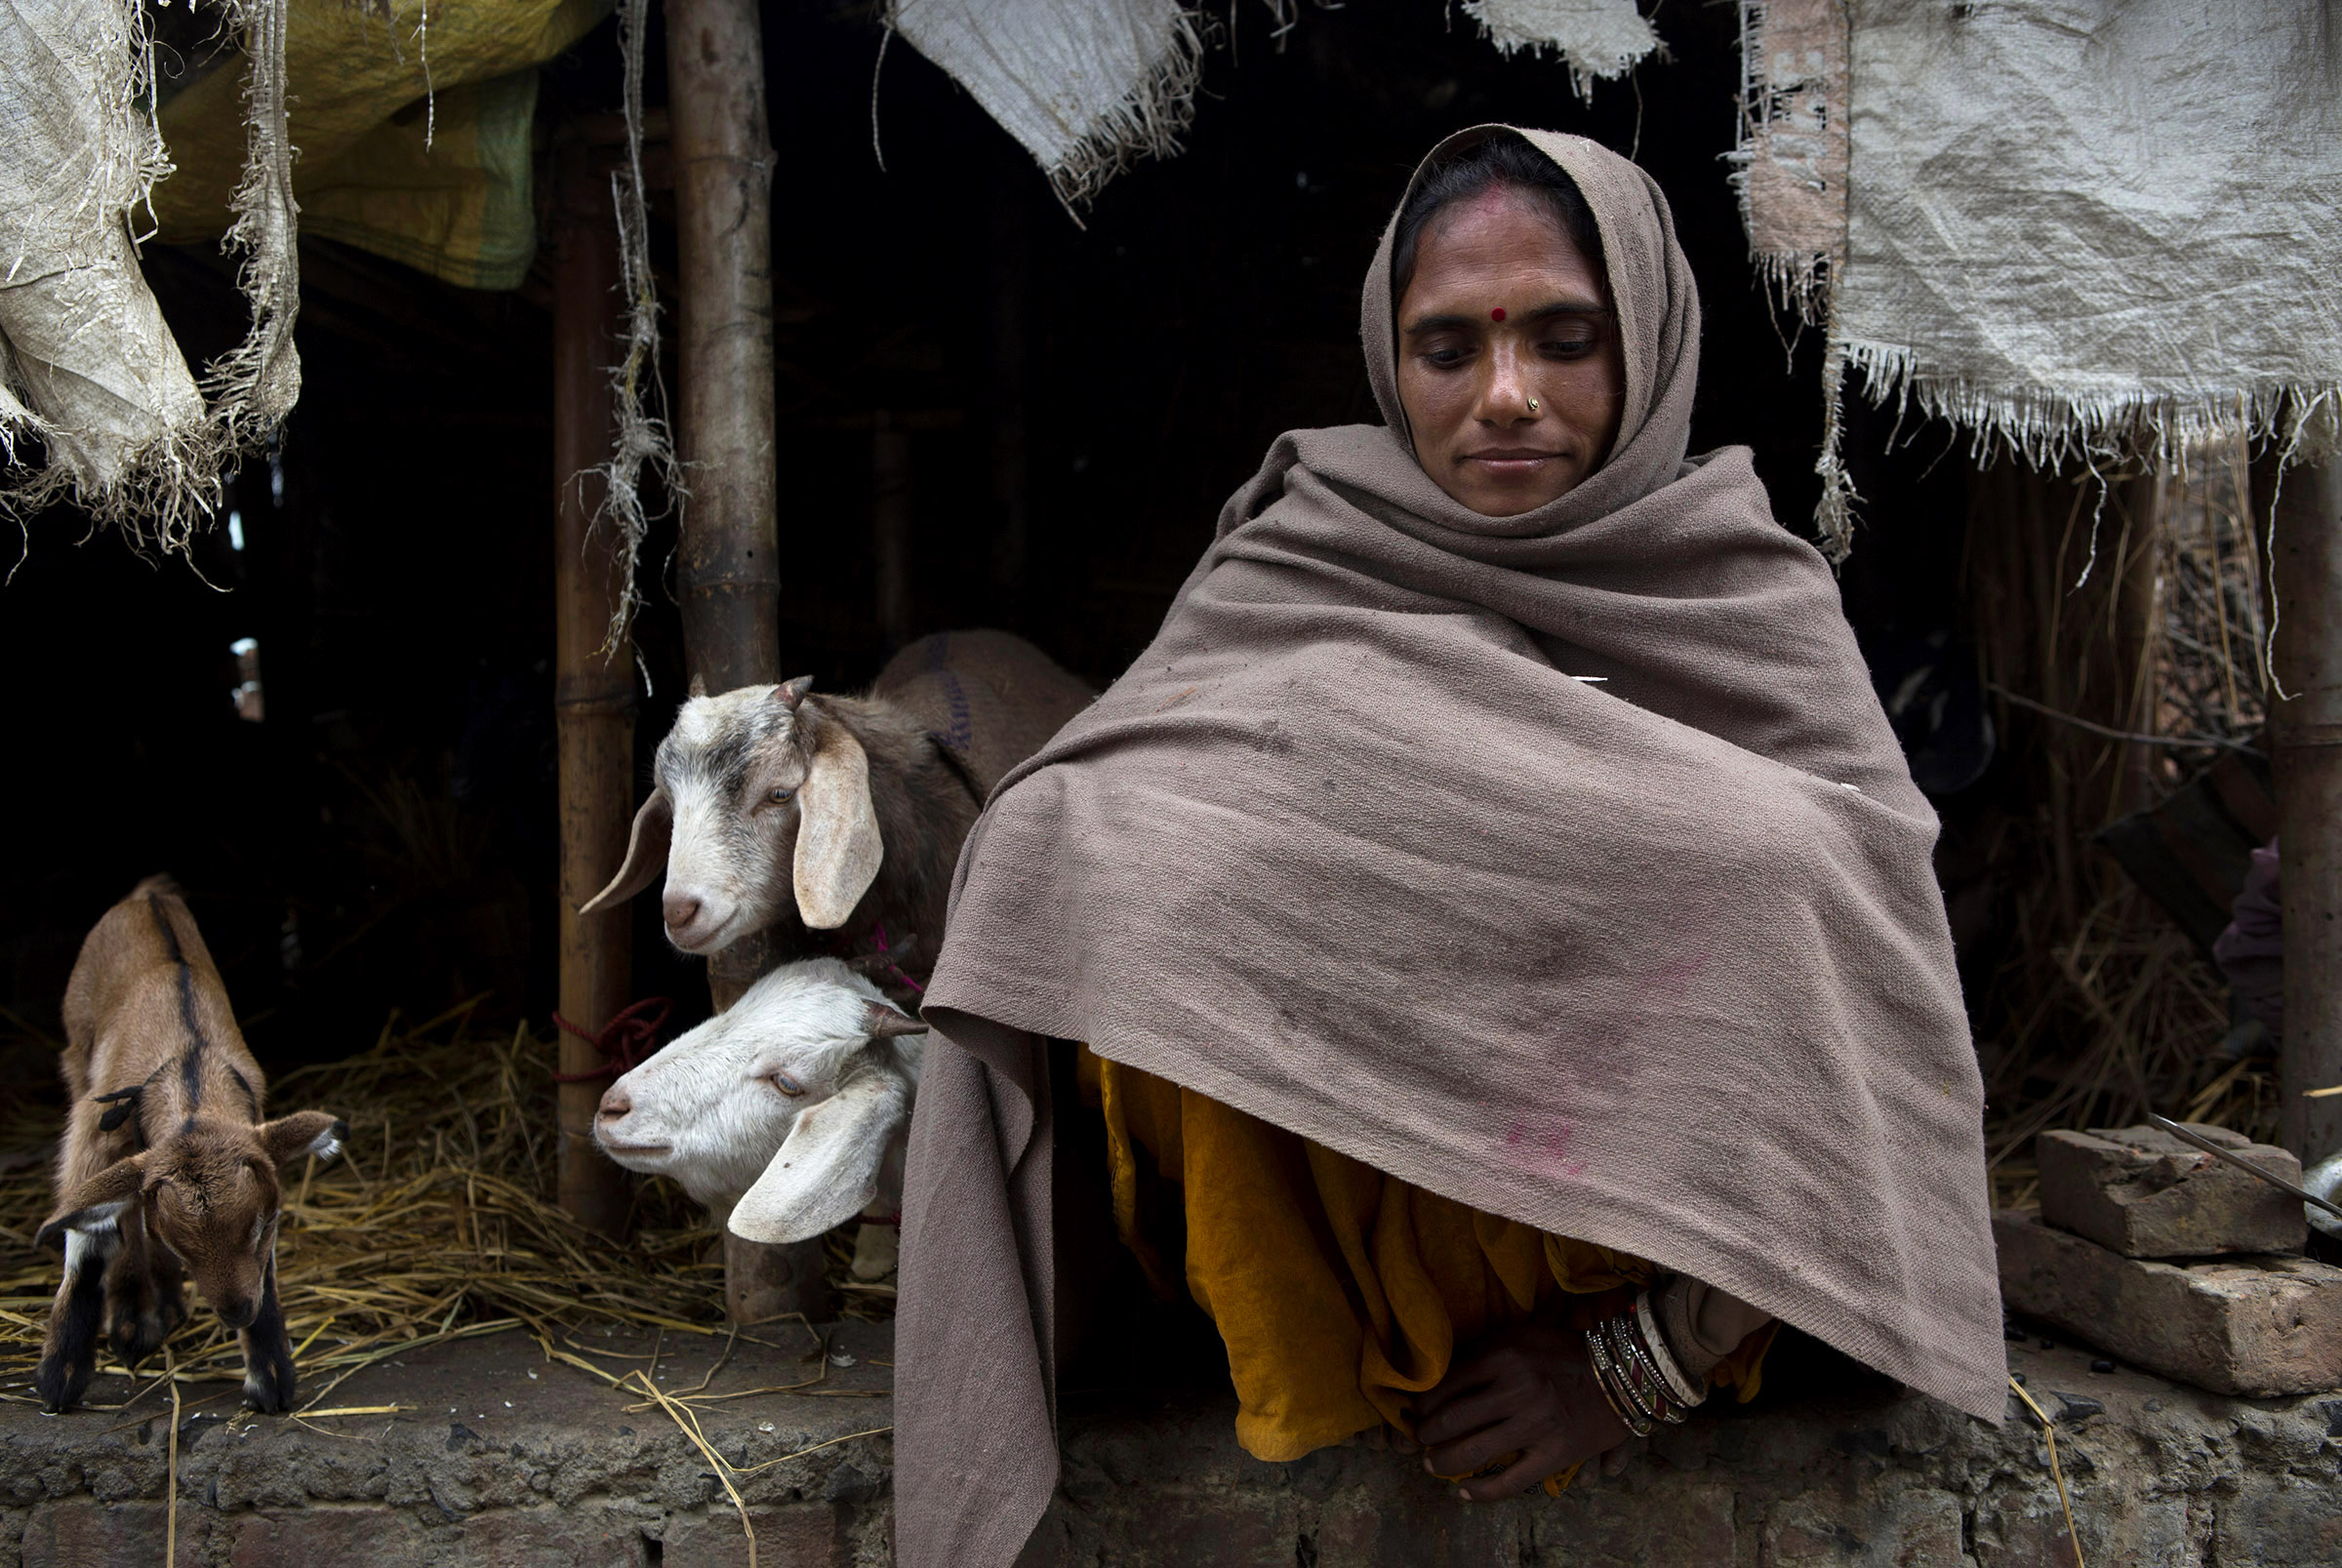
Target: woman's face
1508,360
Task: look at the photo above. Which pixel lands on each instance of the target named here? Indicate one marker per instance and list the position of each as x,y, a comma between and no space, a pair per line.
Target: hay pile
439,1221
2152,1015
2100,1008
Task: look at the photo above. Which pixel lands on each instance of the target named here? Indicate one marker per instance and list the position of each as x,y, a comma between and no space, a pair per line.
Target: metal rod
2241,1163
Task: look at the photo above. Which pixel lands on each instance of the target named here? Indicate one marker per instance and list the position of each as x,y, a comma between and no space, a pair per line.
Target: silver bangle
1678,1382
1606,1381
1650,1391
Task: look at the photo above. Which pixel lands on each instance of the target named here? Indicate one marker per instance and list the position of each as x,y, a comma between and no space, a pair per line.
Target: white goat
785,1114
776,806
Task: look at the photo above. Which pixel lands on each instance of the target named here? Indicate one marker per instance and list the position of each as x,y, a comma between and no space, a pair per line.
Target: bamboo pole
2307,543
593,698
728,564
728,569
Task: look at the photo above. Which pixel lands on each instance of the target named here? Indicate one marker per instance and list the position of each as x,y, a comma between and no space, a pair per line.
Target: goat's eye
781,797
788,1085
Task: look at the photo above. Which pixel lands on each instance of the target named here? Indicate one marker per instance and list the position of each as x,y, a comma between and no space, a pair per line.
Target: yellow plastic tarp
367,89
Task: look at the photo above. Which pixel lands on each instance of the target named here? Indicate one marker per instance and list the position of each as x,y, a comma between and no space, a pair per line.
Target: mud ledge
484,1463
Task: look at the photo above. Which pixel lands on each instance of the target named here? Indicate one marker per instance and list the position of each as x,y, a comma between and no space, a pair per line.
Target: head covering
1658,311
1654,959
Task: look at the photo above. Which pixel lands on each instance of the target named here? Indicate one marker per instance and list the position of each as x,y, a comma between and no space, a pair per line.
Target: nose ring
1532,405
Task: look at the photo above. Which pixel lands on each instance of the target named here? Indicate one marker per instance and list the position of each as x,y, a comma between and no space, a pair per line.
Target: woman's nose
1508,397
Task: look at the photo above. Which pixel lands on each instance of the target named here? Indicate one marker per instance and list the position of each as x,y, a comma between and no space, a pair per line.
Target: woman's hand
1529,1389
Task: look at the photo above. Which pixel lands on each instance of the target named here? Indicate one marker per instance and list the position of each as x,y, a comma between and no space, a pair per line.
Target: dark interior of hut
376,830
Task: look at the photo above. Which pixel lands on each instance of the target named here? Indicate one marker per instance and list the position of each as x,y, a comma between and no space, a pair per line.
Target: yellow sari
1340,1291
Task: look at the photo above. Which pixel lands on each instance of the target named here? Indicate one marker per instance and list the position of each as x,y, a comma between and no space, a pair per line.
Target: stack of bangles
1640,1377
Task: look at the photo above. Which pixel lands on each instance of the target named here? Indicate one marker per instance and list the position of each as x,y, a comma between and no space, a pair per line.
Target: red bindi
1498,314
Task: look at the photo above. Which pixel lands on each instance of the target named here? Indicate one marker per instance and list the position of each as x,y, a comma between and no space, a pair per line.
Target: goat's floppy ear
98,1203
306,1131
646,854
838,830
828,1169
885,1022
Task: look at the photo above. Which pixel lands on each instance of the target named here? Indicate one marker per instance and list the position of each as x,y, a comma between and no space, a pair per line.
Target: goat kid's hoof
59,1386
137,1334
268,1389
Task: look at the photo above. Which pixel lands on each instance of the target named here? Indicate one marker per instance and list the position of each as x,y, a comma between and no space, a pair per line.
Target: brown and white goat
166,1169
775,806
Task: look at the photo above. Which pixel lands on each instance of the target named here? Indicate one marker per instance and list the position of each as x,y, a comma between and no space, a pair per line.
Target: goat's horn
790,693
885,1022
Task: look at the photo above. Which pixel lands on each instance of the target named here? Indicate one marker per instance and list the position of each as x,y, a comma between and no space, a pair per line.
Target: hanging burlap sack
89,377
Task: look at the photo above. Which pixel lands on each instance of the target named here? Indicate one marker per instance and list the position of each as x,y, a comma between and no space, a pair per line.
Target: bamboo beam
593,696
2307,543
728,568
728,564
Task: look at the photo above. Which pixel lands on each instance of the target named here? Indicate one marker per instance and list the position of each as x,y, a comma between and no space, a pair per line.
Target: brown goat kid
166,1169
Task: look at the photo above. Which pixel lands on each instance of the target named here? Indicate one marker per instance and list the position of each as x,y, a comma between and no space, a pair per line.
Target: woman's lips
1512,459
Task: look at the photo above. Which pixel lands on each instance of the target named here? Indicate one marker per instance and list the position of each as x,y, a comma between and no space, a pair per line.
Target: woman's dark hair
1498,160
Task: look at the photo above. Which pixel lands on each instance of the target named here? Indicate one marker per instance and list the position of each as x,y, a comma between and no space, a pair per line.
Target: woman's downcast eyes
1569,339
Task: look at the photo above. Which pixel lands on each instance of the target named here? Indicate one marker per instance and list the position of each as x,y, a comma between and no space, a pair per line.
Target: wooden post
593,694
2307,541
728,565
728,570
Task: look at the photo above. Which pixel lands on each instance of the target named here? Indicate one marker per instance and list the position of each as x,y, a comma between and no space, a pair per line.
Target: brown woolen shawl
1658,963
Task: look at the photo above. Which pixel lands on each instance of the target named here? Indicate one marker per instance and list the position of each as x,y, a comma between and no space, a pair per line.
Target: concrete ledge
495,1457
565,1475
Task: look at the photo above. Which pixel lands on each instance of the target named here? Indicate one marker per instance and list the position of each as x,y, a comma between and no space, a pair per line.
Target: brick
1916,1528
2278,1521
313,1537
2119,1529
1407,1521
553,1536
2259,1326
84,1533
2142,1193
809,1535
1605,1525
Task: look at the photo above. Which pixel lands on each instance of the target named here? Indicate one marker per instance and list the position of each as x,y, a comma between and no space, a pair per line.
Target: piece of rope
887,953
630,1035
2131,736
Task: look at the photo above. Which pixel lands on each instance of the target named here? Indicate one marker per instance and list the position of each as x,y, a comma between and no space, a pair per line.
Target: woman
1497,902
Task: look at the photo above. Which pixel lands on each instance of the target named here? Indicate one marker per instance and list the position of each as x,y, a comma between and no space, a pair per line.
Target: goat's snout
238,1311
615,1104
678,910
